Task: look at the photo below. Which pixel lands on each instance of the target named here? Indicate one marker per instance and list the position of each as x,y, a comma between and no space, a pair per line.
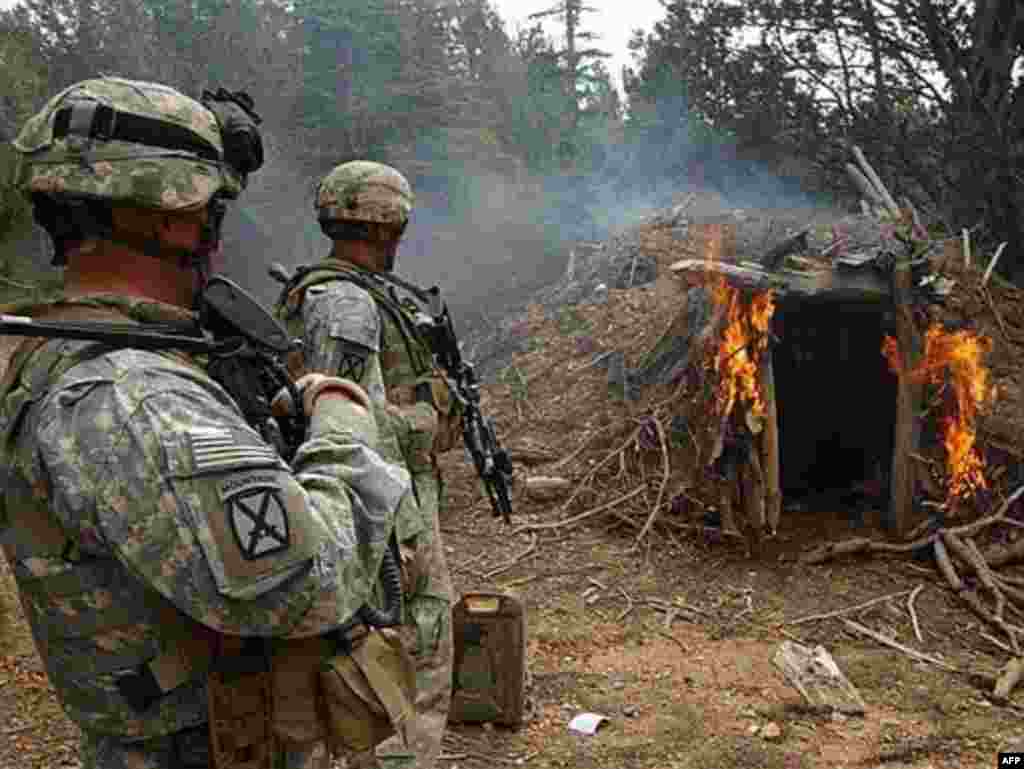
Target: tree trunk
907,435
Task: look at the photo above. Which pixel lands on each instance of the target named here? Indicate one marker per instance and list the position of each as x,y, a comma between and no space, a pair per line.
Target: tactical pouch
241,702
298,709
368,693
449,423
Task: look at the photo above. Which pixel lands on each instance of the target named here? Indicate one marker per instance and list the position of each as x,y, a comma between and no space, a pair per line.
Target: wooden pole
769,445
751,487
907,435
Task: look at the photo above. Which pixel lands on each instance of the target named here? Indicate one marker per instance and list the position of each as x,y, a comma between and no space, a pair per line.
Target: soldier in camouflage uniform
353,324
150,528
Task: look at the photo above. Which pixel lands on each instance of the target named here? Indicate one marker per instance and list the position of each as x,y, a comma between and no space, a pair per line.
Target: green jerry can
489,671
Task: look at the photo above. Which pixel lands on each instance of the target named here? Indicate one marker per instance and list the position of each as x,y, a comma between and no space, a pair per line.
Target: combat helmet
108,141
364,191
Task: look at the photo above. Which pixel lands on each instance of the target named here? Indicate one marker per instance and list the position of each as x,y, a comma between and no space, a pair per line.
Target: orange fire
743,342
957,358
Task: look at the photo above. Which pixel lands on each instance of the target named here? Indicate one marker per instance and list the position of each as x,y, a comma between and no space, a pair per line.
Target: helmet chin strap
200,259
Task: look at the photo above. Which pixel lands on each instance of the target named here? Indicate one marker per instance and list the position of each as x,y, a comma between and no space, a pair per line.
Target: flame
743,342
954,358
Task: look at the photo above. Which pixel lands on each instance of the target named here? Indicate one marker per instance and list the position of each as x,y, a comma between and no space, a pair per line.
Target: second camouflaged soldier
346,310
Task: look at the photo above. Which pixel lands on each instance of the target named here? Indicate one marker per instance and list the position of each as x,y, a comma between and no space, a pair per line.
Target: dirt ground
671,640
697,690
687,689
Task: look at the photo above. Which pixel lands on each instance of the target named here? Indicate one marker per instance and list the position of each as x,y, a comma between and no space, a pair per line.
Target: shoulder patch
257,514
344,311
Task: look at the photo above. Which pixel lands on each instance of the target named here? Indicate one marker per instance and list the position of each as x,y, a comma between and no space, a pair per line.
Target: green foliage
14,210
28,82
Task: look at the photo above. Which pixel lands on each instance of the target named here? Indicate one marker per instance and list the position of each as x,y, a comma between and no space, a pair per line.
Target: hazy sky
613,20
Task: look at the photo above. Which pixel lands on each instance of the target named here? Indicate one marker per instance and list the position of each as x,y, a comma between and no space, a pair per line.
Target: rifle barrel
122,334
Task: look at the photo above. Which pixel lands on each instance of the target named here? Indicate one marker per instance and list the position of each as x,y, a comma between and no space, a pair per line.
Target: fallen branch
582,516
999,318
913,653
864,185
593,362
464,566
866,545
515,560
583,445
668,635
548,575
666,474
674,608
996,642
992,264
913,614
946,567
850,609
629,605
962,550
876,181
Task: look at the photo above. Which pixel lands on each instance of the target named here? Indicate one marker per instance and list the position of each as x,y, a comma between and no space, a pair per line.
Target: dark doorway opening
836,401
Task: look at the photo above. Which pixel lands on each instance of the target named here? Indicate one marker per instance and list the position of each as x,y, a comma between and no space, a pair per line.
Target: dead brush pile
566,407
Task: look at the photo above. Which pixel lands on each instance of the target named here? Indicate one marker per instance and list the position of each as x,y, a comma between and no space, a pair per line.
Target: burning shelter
819,369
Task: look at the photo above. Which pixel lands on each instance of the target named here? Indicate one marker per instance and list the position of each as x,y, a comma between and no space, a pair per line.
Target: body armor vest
411,381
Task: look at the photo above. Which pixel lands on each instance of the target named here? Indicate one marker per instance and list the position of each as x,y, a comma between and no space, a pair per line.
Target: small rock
753,729
618,684
771,731
631,711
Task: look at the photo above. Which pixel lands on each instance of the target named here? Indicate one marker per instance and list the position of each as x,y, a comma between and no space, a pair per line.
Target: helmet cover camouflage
364,191
125,172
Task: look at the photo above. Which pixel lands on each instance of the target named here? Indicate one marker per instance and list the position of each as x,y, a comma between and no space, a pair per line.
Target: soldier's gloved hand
311,387
332,404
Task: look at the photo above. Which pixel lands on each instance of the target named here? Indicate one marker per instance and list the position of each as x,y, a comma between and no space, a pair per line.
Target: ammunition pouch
240,697
449,417
352,692
369,693
430,434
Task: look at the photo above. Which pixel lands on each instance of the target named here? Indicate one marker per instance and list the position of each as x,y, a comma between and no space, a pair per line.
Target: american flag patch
219,450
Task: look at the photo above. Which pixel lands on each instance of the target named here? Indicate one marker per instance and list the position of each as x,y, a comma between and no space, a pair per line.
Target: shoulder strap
311,275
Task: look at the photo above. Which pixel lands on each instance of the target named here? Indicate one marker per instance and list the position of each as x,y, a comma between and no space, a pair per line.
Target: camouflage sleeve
150,461
342,334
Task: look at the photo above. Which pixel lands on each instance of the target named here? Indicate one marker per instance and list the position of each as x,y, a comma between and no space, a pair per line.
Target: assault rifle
244,344
492,462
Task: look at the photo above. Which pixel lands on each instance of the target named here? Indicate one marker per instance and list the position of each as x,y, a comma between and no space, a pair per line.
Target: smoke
513,235
491,238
